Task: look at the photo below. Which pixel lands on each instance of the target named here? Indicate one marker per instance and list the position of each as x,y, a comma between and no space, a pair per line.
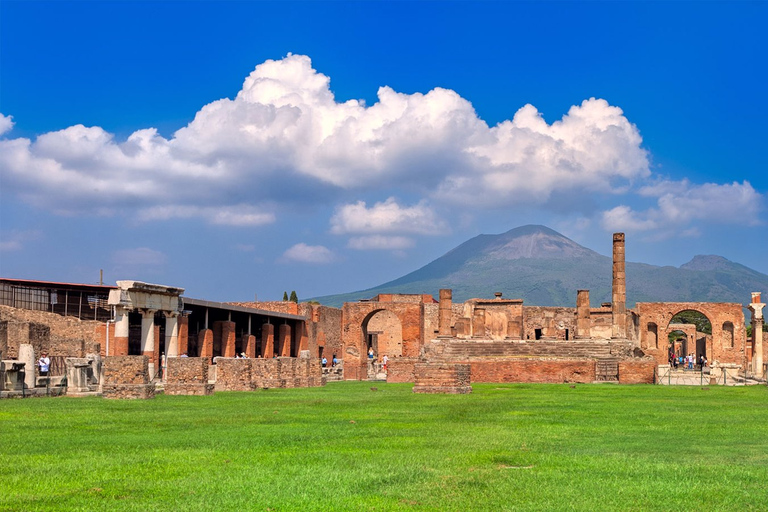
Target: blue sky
250,148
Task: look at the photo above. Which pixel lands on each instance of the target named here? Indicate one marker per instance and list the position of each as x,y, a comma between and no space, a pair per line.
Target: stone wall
278,372
442,378
66,335
554,323
127,377
187,376
400,369
637,371
533,370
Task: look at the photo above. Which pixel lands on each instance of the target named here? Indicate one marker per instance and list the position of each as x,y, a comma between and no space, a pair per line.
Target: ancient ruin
136,339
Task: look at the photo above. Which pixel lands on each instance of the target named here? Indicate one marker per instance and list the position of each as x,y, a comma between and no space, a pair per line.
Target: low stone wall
233,374
637,372
400,369
127,377
442,378
534,370
187,376
279,372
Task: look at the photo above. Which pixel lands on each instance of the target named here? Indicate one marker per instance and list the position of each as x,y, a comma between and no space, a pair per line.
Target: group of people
334,361
688,361
384,359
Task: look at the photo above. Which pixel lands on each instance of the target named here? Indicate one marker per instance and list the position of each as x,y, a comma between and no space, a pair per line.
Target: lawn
348,447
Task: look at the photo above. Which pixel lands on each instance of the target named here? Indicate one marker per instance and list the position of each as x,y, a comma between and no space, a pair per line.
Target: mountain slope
545,268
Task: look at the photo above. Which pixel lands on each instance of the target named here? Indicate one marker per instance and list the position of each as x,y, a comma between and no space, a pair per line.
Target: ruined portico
147,299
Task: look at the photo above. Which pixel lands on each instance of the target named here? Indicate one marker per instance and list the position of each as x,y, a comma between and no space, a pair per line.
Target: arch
383,332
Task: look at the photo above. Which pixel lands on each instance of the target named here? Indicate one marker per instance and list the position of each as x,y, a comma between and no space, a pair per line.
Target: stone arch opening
383,333
702,327
678,343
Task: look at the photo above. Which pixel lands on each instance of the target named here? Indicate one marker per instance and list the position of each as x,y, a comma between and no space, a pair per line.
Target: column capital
757,309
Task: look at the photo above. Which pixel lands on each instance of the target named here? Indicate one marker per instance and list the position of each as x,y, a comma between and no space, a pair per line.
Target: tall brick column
226,330
756,307
444,317
583,321
122,328
148,338
183,322
205,342
619,300
267,341
250,345
284,339
302,336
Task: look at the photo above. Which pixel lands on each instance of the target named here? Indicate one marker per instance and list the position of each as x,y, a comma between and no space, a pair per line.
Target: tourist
184,355
243,356
384,360
370,352
44,363
334,361
325,362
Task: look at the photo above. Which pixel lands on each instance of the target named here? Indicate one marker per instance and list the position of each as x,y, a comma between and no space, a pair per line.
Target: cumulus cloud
386,217
284,129
6,124
380,242
304,253
681,203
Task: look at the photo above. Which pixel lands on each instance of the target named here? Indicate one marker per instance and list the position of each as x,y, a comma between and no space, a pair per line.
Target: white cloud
6,123
304,253
680,204
241,215
380,242
284,129
386,217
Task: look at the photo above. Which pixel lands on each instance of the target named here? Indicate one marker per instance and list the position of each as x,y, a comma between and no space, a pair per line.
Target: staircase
462,350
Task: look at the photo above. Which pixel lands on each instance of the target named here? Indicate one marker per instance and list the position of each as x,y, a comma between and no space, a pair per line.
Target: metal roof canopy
240,309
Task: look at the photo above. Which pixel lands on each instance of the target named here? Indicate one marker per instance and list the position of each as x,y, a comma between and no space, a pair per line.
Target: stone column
27,356
756,307
444,314
619,299
478,323
583,320
267,341
171,334
148,338
284,340
303,336
122,327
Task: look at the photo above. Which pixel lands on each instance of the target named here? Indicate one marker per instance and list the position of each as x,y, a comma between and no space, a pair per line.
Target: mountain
545,268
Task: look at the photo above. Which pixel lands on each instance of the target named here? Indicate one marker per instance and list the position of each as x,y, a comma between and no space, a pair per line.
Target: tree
294,298
285,296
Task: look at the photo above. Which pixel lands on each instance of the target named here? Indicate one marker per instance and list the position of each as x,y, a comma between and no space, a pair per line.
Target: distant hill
545,268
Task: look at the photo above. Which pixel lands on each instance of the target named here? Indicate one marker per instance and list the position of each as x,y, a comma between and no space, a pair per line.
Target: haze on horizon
247,148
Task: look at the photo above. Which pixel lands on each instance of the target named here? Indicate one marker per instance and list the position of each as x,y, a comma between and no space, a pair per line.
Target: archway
697,322
383,333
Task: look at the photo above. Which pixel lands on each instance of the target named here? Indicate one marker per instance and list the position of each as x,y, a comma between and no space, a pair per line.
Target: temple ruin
121,341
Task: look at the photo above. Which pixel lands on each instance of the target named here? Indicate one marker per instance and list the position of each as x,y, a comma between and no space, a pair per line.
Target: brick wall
278,372
127,377
442,378
637,372
533,370
233,374
187,376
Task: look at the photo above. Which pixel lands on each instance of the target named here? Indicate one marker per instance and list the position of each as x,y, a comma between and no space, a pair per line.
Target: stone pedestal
78,370
12,373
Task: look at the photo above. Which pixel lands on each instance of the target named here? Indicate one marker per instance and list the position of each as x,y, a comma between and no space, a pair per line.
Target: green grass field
346,447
